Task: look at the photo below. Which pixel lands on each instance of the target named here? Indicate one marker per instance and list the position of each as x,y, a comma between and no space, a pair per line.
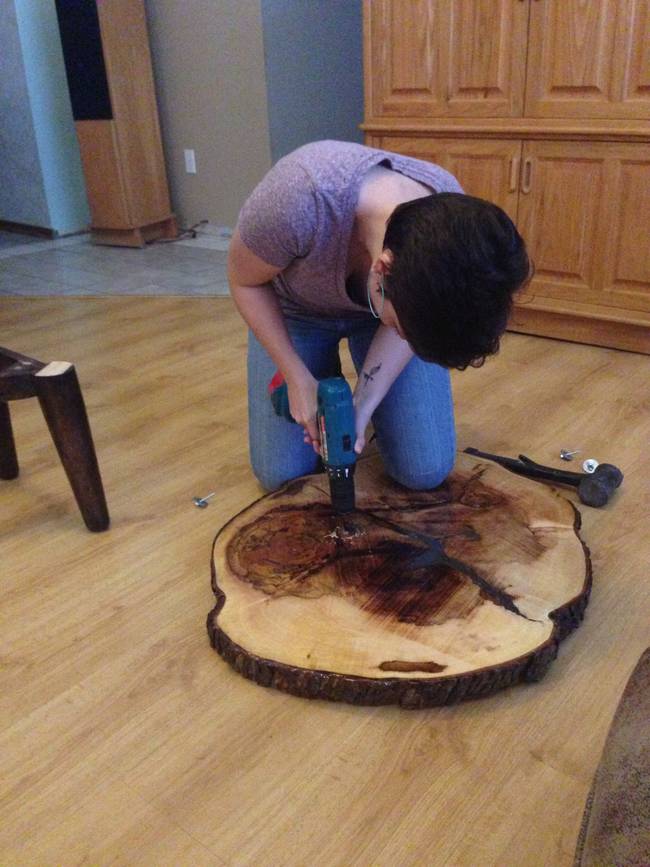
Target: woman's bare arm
249,278
387,357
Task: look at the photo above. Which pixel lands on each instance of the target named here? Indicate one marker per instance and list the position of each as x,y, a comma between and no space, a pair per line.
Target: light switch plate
190,162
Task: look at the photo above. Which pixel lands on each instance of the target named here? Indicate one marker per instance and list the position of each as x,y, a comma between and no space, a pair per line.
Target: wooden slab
417,598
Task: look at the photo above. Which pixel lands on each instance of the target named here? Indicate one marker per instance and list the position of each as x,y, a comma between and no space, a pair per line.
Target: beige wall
208,60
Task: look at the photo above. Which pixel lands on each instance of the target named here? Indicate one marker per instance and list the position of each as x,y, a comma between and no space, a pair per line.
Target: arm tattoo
369,377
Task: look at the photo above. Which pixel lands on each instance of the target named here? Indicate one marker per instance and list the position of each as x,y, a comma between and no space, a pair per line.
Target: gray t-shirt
300,218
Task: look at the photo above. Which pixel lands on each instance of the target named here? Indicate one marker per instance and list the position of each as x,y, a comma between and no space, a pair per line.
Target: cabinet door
449,58
624,280
589,59
485,168
584,211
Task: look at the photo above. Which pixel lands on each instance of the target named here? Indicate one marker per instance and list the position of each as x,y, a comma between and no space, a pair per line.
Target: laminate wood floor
126,740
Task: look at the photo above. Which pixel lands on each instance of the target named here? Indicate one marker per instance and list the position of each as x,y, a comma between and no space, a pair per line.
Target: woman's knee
423,476
272,476
269,481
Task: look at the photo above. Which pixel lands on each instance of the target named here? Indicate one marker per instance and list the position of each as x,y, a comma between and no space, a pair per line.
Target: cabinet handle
528,171
514,174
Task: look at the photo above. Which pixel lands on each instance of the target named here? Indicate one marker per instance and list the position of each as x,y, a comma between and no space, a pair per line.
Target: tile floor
74,266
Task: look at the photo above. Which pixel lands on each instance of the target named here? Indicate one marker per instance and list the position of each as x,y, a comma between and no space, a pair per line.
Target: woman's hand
303,406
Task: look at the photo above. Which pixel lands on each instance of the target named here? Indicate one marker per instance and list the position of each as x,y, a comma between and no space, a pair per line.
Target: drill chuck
342,488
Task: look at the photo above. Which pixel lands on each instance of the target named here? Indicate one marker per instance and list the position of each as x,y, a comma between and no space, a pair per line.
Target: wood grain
489,168
103,173
415,598
453,58
588,60
125,43
124,740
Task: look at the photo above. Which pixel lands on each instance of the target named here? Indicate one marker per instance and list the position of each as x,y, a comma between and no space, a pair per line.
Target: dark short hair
458,261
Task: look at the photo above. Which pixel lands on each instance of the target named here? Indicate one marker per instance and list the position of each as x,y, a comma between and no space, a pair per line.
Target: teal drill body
336,424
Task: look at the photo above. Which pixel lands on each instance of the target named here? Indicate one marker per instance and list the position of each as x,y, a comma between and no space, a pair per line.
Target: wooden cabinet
108,66
542,106
430,58
585,211
589,59
489,169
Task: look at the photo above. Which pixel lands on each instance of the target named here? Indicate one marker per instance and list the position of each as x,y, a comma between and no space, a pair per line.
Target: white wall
239,83
208,60
22,190
243,82
314,71
41,180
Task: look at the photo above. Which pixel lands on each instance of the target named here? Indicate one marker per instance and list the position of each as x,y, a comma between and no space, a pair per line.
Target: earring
383,298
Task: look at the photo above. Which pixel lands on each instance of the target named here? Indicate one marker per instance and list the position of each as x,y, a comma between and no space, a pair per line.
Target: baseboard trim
563,325
27,229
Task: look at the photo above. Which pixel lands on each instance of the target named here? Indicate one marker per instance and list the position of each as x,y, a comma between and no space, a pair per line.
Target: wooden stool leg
8,457
63,406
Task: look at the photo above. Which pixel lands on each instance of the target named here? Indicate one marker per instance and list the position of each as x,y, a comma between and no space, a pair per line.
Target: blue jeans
414,423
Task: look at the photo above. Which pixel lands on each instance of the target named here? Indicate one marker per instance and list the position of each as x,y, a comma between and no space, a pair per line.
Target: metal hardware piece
202,502
514,174
567,454
527,175
595,486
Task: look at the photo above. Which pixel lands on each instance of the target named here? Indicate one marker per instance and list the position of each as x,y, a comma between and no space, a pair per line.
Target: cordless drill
337,433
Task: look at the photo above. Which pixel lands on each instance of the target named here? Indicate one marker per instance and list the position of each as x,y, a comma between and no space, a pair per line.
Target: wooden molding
512,127
137,236
613,329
